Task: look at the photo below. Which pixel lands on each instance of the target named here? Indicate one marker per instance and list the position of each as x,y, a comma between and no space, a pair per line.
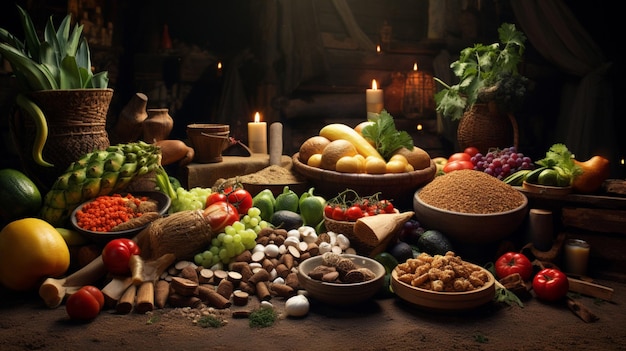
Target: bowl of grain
274,177
356,278
470,207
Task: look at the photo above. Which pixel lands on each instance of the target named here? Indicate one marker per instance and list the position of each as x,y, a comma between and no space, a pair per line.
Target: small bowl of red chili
120,215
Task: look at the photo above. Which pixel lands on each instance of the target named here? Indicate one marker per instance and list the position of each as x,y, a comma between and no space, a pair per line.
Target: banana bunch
102,172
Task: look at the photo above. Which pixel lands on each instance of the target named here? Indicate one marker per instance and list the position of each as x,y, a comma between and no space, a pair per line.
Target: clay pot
158,125
128,127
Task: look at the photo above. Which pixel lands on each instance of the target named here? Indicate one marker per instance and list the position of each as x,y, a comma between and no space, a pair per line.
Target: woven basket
484,127
397,187
76,126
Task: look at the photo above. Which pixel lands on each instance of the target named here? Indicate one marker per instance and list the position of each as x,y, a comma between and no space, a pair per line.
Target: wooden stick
161,292
115,288
127,301
212,298
262,291
145,297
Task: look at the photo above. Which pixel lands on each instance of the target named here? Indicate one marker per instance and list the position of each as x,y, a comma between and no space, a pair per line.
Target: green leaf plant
60,61
486,72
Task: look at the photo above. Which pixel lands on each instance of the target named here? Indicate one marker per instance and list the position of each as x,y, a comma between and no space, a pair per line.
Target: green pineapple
102,172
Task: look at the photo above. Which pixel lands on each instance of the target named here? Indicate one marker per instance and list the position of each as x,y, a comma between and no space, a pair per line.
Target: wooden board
597,220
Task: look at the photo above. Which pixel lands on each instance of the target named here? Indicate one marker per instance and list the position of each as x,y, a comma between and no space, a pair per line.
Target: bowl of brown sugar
470,207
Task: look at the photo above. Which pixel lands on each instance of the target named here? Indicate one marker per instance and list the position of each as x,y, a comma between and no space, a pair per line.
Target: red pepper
116,255
550,284
514,262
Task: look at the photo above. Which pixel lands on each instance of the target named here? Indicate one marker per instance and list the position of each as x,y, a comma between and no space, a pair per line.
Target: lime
20,196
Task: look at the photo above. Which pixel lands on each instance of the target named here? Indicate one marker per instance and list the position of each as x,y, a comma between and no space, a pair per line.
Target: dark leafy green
387,139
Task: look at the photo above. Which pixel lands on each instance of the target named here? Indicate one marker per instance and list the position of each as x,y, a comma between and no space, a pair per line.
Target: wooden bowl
398,187
163,203
451,301
546,190
470,228
341,293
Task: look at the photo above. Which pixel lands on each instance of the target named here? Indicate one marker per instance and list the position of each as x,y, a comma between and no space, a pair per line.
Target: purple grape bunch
501,163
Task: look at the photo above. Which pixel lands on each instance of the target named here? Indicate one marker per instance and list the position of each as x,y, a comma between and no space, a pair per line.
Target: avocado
401,251
286,219
434,242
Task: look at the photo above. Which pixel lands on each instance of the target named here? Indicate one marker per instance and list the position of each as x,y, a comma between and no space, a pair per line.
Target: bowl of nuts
460,286
341,279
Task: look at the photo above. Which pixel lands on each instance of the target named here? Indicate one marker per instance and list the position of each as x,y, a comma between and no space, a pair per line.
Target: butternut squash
336,131
595,171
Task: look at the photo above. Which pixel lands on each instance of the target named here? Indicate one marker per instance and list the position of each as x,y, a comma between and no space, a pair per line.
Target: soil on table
380,324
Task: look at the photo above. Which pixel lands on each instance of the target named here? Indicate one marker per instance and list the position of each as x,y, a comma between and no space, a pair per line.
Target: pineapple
102,172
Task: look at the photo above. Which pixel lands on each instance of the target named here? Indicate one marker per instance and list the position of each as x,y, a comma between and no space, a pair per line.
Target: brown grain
469,191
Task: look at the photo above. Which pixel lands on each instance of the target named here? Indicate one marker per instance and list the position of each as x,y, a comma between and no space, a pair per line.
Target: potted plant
57,88
488,76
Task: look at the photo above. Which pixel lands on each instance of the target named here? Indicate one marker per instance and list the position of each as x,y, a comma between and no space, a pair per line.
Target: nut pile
267,271
338,269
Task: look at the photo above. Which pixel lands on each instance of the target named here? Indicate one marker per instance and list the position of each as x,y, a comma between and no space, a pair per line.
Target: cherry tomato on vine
353,213
241,199
339,213
328,211
386,206
215,197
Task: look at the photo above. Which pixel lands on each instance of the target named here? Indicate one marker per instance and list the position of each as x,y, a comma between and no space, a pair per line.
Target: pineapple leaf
31,41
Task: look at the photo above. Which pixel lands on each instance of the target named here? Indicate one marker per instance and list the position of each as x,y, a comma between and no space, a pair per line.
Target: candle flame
219,65
622,161
419,127
415,66
378,48
374,85
257,118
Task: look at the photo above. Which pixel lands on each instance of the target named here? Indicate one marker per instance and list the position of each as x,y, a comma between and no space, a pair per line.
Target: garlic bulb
297,306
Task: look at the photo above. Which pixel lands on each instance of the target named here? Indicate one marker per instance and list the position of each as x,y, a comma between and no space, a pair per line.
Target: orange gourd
595,171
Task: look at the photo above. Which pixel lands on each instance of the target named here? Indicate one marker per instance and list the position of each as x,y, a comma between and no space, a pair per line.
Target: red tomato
116,255
459,156
241,199
457,165
472,151
339,213
85,304
215,197
514,262
386,206
353,213
328,211
220,215
550,284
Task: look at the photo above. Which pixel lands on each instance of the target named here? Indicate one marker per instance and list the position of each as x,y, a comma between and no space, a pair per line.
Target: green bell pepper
287,200
311,208
265,202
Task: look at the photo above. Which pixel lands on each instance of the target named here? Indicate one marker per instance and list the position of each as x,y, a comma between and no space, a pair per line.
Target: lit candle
219,68
374,99
257,135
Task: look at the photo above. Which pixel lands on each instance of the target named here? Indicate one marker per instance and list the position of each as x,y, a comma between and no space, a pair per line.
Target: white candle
374,99
576,256
257,135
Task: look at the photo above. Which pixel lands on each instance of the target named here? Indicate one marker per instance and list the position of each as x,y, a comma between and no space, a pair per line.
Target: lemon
20,196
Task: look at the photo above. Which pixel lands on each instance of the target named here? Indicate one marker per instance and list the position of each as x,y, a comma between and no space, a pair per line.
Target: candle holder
419,94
